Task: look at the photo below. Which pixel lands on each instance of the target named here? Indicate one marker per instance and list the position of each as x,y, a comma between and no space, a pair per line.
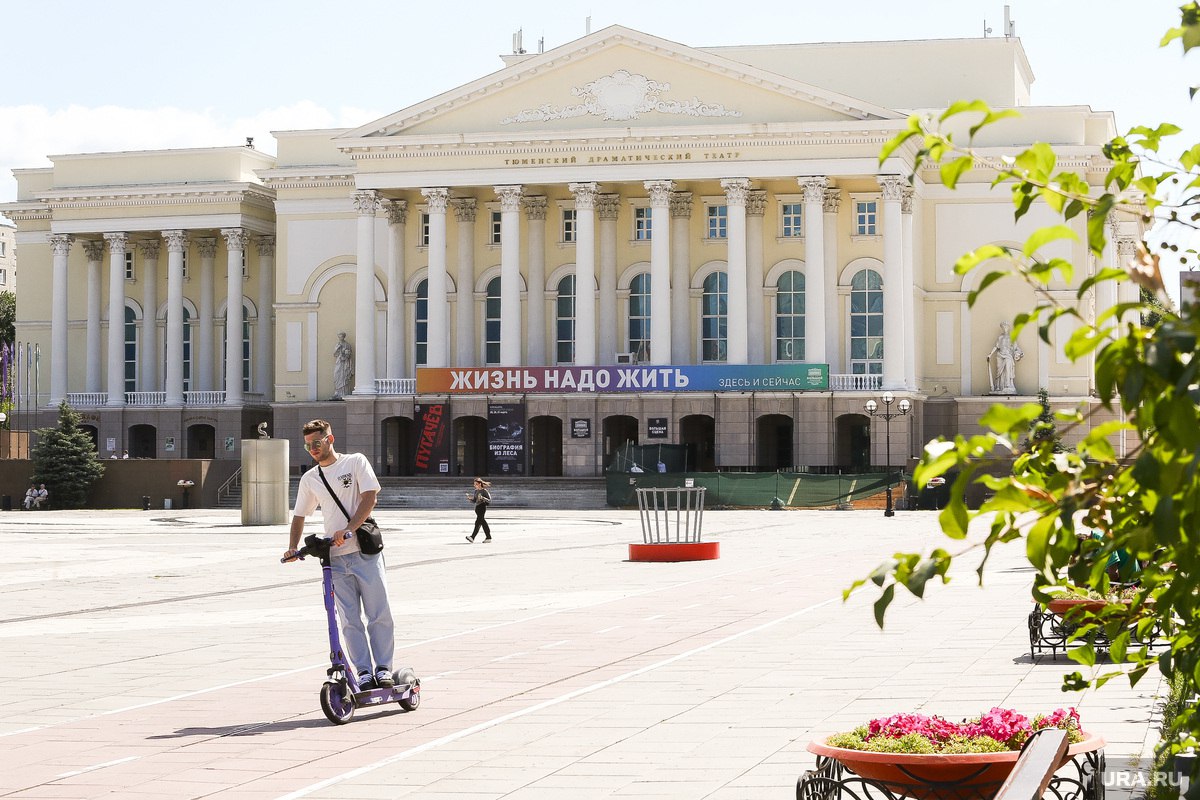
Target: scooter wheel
404,676
338,709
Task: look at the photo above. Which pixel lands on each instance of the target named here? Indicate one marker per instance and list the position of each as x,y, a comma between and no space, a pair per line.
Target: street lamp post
888,415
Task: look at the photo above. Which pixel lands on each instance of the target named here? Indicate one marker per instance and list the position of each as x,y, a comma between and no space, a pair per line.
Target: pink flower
1001,724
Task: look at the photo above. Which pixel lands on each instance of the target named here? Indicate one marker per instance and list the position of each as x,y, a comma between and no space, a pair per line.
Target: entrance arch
399,447
618,430
545,446
94,435
775,442
143,441
698,432
201,441
470,446
854,442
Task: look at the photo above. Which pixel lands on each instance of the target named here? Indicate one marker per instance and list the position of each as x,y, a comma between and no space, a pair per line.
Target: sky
87,76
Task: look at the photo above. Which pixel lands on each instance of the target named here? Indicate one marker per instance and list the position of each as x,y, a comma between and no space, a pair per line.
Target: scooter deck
401,691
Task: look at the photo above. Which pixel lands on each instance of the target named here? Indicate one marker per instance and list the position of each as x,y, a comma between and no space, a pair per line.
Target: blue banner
626,378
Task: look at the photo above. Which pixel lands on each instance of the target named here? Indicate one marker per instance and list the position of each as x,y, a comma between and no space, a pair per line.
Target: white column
235,246
176,245
1127,291
608,206
535,214
437,347
366,204
1106,292
148,382
202,342
510,275
660,271
682,337
464,306
60,247
756,208
910,287
834,341
815,347
95,258
264,338
736,192
116,318
585,273
893,282
397,217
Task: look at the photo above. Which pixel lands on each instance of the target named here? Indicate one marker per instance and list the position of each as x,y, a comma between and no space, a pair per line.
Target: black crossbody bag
370,538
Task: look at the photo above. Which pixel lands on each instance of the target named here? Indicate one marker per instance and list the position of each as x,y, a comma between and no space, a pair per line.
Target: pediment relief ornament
621,96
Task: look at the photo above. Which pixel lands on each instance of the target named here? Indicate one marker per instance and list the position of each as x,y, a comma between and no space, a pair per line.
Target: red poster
433,440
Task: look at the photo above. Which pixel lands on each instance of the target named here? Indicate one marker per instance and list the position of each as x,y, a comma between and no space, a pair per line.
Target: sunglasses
315,444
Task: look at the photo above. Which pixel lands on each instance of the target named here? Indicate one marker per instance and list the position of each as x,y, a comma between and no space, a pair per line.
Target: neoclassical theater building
619,239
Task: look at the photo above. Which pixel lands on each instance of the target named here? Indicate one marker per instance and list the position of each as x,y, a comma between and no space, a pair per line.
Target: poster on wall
506,439
656,428
433,439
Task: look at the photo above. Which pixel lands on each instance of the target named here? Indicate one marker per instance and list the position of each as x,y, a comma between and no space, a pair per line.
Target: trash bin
6,503
145,502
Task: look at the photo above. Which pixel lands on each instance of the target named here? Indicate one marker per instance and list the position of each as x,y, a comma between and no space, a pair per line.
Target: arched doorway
94,435
201,441
698,432
399,447
470,446
545,446
143,441
854,442
618,430
775,442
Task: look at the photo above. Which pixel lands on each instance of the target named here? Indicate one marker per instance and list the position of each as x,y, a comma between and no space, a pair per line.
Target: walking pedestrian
481,497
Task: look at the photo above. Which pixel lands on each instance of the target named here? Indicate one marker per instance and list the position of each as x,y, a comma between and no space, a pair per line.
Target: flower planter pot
1077,605
927,776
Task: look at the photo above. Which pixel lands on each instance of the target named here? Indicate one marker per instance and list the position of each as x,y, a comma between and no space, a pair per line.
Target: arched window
564,327
866,323
714,318
187,350
131,349
789,317
491,323
422,319
245,330
639,317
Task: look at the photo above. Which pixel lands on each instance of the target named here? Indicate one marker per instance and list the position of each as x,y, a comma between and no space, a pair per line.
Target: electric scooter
341,693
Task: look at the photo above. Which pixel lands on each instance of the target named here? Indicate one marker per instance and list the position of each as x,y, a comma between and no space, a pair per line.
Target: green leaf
885,600
951,171
1044,236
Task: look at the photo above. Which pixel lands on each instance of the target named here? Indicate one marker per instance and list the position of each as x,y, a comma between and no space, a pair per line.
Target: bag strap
331,494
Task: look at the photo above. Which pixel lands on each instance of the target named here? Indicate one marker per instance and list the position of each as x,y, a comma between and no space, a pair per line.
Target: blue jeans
360,587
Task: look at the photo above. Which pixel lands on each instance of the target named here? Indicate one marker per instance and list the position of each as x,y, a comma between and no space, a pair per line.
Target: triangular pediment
620,78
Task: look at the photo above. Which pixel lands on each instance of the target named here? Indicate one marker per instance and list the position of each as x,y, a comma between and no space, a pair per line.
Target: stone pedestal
264,481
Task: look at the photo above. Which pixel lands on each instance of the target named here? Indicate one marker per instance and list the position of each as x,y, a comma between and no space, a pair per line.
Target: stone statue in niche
1003,370
343,367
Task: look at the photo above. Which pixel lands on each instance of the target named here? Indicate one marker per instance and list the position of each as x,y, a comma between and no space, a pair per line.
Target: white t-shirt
349,477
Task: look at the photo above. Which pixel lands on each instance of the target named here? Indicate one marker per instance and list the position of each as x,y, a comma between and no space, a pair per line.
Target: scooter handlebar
313,546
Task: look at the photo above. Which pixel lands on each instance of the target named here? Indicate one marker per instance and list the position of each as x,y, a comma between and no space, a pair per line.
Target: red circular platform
675,551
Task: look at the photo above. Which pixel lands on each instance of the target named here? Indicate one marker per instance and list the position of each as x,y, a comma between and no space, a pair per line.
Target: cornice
306,178
191,194
26,212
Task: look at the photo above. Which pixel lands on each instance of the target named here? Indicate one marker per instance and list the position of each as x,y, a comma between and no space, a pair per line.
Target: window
245,269
789,317
714,320
718,222
3,248
245,350
422,319
129,273
564,326
639,317
424,230
496,227
187,350
491,323
3,277
568,224
865,217
866,323
185,266
131,349
642,231
791,217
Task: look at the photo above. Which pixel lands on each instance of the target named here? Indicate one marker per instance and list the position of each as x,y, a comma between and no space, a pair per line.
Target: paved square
169,655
